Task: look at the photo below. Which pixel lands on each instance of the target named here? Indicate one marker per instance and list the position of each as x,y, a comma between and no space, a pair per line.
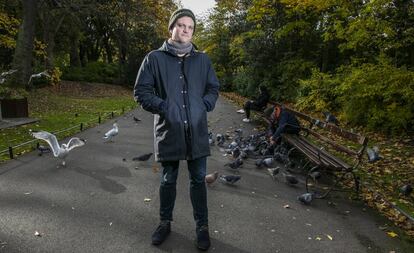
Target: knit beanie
179,14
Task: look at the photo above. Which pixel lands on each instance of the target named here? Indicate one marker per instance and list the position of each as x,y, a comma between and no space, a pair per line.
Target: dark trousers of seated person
251,105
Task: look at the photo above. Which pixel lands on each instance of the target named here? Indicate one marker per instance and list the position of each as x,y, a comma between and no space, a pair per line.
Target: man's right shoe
246,120
203,238
161,233
240,111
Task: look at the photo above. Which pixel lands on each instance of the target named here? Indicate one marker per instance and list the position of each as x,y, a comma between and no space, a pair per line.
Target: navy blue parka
179,91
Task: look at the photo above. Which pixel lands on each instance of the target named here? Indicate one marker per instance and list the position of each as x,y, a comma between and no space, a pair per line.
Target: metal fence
83,125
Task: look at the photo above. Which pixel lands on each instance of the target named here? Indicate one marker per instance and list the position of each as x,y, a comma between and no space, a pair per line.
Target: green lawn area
71,105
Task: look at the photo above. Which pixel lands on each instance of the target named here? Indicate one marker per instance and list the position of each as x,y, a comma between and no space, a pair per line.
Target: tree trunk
74,52
22,59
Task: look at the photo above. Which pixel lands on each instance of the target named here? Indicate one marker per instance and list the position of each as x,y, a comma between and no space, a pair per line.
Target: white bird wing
74,143
45,73
50,139
112,132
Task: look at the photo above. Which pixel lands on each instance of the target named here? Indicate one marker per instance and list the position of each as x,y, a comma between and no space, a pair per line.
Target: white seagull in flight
59,151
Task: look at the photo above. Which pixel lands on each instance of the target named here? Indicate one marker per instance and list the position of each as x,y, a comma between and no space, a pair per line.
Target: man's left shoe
246,120
203,238
240,111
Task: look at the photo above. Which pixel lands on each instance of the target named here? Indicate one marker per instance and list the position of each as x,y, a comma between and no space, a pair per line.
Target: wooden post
10,152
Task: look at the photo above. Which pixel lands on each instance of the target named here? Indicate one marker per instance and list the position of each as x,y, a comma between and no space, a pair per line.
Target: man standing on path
178,85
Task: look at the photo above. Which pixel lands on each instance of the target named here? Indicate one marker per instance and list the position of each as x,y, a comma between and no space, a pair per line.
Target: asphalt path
102,201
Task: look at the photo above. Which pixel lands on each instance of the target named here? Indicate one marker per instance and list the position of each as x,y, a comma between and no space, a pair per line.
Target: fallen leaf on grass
147,200
37,234
392,234
286,206
329,237
318,238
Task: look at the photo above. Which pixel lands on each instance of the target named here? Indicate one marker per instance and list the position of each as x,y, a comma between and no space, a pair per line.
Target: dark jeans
251,105
198,191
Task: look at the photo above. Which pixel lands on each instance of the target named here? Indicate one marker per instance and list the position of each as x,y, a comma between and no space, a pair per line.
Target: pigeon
231,179
211,178
406,189
243,154
235,164
136,119
220,140
42,149
269,162
59,151
373,154
306,198
4,74
259,163
239,131
266,162
273,172
211,140
233,144
44,73
315,175
235,153
290,179
330,118
142,157
111,133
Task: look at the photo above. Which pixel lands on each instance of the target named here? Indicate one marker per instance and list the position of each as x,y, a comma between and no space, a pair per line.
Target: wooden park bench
327,169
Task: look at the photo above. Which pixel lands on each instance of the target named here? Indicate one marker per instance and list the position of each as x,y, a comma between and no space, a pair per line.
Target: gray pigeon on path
230,179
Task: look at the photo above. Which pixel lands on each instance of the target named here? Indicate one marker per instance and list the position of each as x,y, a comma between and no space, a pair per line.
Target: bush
98,72
319,92
378,96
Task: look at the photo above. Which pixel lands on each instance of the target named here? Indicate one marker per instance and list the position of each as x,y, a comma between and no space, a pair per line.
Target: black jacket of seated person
282,121
259,103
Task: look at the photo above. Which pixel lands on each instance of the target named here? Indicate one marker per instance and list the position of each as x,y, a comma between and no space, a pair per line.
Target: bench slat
314,152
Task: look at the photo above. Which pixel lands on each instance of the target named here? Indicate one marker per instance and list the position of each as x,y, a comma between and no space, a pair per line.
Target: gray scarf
179,48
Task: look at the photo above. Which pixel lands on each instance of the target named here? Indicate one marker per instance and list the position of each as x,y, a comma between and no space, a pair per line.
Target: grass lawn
74,103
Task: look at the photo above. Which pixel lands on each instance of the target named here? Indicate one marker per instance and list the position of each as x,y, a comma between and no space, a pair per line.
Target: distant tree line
352,57
100,41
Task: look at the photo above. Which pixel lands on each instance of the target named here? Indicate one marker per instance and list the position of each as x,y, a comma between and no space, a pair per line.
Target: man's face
183,29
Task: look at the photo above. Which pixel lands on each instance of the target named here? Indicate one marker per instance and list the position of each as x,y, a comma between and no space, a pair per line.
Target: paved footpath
97,202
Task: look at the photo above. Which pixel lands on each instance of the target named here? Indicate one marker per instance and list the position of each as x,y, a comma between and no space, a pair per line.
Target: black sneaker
161,233
203,238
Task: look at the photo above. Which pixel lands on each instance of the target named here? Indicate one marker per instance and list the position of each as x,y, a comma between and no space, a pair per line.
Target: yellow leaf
318,238
392,234
329,237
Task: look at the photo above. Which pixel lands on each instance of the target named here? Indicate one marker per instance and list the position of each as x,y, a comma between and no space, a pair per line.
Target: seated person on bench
281,121
258,104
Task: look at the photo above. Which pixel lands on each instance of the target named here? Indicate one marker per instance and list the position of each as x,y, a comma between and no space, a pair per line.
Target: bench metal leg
320,182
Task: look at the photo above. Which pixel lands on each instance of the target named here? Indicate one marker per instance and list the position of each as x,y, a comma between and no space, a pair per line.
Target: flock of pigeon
240,148
237,147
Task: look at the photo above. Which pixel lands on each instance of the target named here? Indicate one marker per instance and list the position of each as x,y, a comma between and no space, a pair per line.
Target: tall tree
22,59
